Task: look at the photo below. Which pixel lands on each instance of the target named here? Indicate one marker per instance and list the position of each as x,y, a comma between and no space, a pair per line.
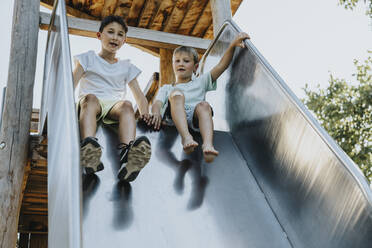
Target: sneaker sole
139,155
91,158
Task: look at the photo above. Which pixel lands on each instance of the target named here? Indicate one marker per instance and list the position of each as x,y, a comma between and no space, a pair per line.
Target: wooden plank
123,8
96,7
14,132
166,68
162,14
177,16
209,33
192,16
137,36
221,11
70,10
149,10
108,8
134,12
204,21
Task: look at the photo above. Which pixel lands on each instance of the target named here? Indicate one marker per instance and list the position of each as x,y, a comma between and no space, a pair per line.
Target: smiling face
183,66
112,37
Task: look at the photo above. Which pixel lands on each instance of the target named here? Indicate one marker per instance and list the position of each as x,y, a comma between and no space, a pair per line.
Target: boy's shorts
191,121
106,106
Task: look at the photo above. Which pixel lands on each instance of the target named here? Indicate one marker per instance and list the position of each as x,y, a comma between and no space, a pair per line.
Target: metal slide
280,180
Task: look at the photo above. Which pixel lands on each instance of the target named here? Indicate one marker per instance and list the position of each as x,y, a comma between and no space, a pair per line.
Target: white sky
302,40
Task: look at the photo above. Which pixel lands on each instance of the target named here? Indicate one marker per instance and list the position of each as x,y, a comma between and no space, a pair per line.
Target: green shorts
106,106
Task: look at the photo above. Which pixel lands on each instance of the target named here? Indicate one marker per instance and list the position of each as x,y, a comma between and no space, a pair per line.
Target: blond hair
191,51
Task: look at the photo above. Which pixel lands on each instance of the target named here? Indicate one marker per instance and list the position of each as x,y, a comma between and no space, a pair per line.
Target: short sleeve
162,94
133,72
83,59
207,80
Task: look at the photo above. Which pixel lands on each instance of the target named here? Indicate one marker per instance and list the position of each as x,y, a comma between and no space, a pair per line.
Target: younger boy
183,103
103,79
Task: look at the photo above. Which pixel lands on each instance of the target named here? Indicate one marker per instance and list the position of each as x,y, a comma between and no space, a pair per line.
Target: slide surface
279,181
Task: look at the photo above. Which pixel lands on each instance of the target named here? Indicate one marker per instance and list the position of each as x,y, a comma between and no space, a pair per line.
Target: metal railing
312,186
58,110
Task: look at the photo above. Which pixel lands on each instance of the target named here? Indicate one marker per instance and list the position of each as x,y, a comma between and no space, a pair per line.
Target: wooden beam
166,68
123,8
136,36
14,132
70,11
149,10
192,17
178,14
162,14
221,11
203,22
108,8
134,12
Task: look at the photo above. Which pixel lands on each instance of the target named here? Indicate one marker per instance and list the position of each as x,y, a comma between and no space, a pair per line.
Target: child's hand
239,40
146,118
156,121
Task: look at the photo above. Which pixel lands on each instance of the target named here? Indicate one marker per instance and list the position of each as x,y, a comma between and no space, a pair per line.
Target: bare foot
209,153
189,144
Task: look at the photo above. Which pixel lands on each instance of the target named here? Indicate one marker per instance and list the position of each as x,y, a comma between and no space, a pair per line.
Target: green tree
345,111
351,4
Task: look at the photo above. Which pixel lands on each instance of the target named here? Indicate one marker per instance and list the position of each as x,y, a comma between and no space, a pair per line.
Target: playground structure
280,180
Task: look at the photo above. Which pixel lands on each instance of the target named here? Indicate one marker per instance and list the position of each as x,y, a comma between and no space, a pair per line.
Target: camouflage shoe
90,155
133,157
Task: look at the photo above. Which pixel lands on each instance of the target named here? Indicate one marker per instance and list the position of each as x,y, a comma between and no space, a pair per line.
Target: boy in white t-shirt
103,79
183,102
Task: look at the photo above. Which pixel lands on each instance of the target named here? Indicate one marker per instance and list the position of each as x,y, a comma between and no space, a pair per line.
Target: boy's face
183,65
112,37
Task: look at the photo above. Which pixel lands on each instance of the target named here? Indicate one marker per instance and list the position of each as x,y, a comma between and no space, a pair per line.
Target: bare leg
89,109
177,101
124,113
203,113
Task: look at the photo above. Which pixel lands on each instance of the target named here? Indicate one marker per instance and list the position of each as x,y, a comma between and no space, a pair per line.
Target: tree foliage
351,4
345,111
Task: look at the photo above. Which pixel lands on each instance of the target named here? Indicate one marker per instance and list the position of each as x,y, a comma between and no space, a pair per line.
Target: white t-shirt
194,91
106,81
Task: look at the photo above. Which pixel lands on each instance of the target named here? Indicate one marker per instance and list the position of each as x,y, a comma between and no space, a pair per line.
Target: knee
176,95
203,107
126,106
90,101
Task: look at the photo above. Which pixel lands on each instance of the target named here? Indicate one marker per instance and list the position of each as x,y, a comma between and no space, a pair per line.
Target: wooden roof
187,17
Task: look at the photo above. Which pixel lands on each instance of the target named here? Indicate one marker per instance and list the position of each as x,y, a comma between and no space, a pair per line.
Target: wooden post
14,132
166,69
221,11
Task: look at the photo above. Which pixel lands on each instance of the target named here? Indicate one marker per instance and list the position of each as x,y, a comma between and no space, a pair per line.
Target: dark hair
113,18
188,50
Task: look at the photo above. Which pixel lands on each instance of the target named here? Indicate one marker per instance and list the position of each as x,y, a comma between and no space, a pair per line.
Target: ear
98,35
196,66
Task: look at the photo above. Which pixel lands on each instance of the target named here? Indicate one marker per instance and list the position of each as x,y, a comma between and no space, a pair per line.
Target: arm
140,98
156,117
77,73
227,57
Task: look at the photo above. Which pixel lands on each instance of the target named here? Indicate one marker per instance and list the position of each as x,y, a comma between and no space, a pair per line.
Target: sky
304,41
